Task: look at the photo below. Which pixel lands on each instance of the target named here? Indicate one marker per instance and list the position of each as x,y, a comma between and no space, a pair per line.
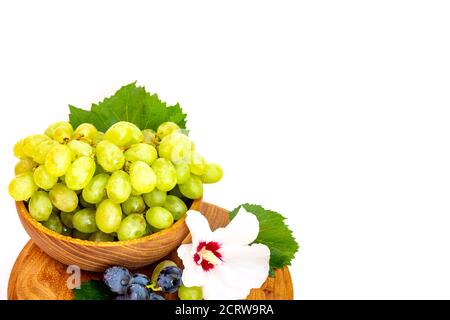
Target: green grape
99,169
80,173
40,206
108,216
159,217
24,165
58,160
167,128
193,188
134,192
141,152
84,203
99,138
183,172
190,293
143,179
132,227
101,237
84,221
67,218
41,152
43,179
134,204
18,150
166,175
80,148
176,192
80,235
118,187
198,164
176,206
53,223
124,134
86,131
148,230
212,174
150,137
156,198
63,132
63,198
31,142
50,131
109,156
159,267
66,231
22,186
176,147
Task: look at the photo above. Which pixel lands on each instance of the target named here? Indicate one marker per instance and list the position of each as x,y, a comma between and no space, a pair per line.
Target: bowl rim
23,213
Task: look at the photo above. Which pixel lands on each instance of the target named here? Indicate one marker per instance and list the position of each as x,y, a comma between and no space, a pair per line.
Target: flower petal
243,268
186,254
243,229
194,277
198,226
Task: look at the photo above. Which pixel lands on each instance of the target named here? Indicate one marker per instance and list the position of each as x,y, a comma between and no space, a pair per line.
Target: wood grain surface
37,276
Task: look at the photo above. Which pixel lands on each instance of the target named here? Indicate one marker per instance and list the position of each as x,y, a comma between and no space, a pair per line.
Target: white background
334,113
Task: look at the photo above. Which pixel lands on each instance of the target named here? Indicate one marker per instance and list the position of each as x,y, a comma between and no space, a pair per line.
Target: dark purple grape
117,279
154,296
137,292
169,279
140,278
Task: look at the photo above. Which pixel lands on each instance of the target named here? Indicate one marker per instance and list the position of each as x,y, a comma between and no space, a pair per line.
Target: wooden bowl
97,256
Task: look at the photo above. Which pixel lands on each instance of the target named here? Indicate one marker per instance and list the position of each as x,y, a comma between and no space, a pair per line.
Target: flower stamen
208,255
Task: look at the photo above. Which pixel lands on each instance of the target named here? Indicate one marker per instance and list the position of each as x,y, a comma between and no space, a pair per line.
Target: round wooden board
36,276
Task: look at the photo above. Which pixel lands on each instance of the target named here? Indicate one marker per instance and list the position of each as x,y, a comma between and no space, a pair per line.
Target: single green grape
80,235
132,227
124,134
53,223
101,237
167,128
156,198
109,156
67,218
66,231
183,172
40,206
141,152
159,217
190,293
63,132
166,175
134,204
86,131
31,143
108,216
160,266
150,137
80,148
24,165
118,187
84,221
176,206
143,179
22,186
44,179
50,131
198,164
63,198
18,150
42,150
193,188
176,147
80,173
58,160
212,174
95,191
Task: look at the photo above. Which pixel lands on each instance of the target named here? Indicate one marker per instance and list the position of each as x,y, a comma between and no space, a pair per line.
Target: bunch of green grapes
119,185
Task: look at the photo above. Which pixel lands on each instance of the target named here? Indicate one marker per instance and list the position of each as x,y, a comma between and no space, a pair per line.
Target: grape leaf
93,290
274,233
130,103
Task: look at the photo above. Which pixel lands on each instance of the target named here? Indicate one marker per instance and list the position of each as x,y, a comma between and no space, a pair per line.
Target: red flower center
208,255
